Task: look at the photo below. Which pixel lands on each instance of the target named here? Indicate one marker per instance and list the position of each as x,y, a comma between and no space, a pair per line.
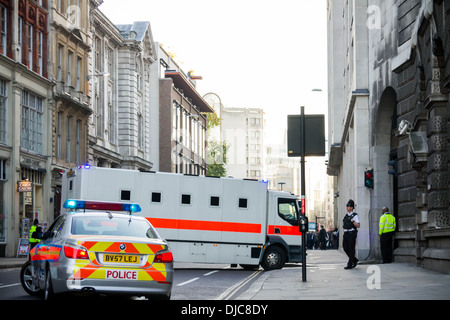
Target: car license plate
120,258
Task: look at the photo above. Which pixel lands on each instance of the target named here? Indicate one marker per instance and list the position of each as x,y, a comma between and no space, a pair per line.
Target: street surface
191,282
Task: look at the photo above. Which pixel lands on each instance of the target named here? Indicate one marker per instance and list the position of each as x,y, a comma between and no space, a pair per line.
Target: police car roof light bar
99,205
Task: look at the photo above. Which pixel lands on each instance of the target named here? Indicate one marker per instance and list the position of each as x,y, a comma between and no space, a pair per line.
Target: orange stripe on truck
205,225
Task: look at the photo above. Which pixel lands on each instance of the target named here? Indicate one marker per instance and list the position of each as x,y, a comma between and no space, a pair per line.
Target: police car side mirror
303,224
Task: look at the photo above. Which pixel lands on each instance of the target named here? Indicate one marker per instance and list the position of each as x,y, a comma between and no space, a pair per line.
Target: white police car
94,249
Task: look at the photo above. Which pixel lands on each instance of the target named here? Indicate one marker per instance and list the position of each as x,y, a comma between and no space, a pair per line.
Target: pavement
326,279
6,263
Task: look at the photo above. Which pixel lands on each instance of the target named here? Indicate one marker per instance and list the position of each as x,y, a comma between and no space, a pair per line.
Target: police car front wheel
28,281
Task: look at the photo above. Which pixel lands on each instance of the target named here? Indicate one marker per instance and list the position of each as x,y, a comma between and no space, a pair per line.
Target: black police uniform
350,235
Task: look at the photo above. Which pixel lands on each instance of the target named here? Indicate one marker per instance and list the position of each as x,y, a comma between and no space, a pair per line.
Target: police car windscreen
117,226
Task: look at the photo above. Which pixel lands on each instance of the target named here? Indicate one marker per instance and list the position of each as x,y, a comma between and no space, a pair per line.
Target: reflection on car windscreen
116,226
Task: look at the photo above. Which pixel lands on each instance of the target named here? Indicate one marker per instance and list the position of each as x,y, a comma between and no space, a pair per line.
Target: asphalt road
191,282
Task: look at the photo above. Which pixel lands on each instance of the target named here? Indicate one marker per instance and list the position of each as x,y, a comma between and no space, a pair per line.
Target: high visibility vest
30,238
387,223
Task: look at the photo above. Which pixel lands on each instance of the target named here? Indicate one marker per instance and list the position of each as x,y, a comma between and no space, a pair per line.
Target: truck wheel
274,258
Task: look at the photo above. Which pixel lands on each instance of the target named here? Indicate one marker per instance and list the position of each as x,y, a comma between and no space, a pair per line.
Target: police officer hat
351,203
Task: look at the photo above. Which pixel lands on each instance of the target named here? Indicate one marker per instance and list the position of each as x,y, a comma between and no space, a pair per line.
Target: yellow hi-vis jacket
387,223
30,238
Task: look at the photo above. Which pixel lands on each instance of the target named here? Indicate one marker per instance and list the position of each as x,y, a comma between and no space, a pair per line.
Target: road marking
186,282
210,273
232,290
9,285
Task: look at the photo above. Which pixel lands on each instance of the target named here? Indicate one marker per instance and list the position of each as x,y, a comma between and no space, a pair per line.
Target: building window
111,115
32,122
78,142
3,26
73,12
40,52
255,122
2,200
58,138
59,6
78,86
69,133
60,55
30,46
69,69
20,38
98,110
255,173
3,110
98,54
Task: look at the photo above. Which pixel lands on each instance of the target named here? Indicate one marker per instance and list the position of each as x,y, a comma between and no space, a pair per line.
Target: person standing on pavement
350,226
33,241
322,238
386,229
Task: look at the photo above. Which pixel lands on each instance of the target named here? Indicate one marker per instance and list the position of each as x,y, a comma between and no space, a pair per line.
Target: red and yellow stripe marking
93,269
45,253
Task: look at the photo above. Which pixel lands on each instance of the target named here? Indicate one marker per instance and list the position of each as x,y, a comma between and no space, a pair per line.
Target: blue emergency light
99,205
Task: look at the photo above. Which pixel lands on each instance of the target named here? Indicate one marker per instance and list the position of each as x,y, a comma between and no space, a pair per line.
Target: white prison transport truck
204,219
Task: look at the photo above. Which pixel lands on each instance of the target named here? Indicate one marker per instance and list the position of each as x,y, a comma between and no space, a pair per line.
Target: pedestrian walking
350,227
335,241
316,240
387,227
323,238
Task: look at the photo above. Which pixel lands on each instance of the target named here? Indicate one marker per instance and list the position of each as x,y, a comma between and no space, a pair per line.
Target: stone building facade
25,120
68,69
398,54
119,128
76,89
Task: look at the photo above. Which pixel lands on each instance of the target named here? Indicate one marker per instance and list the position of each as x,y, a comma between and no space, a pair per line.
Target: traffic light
393,164
368,178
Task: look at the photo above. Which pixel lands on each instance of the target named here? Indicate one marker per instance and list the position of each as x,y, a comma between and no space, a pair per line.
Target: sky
252,53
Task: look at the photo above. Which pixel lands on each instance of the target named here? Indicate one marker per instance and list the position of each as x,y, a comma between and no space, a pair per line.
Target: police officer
350,226
33,241
386,229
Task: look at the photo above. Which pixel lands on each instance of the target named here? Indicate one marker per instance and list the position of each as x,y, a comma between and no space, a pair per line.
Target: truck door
283,226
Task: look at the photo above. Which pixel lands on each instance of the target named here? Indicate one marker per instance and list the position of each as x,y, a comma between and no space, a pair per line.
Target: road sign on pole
314,142
306,137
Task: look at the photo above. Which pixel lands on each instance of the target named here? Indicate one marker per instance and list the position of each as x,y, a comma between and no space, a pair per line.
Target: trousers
349,243
386,246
